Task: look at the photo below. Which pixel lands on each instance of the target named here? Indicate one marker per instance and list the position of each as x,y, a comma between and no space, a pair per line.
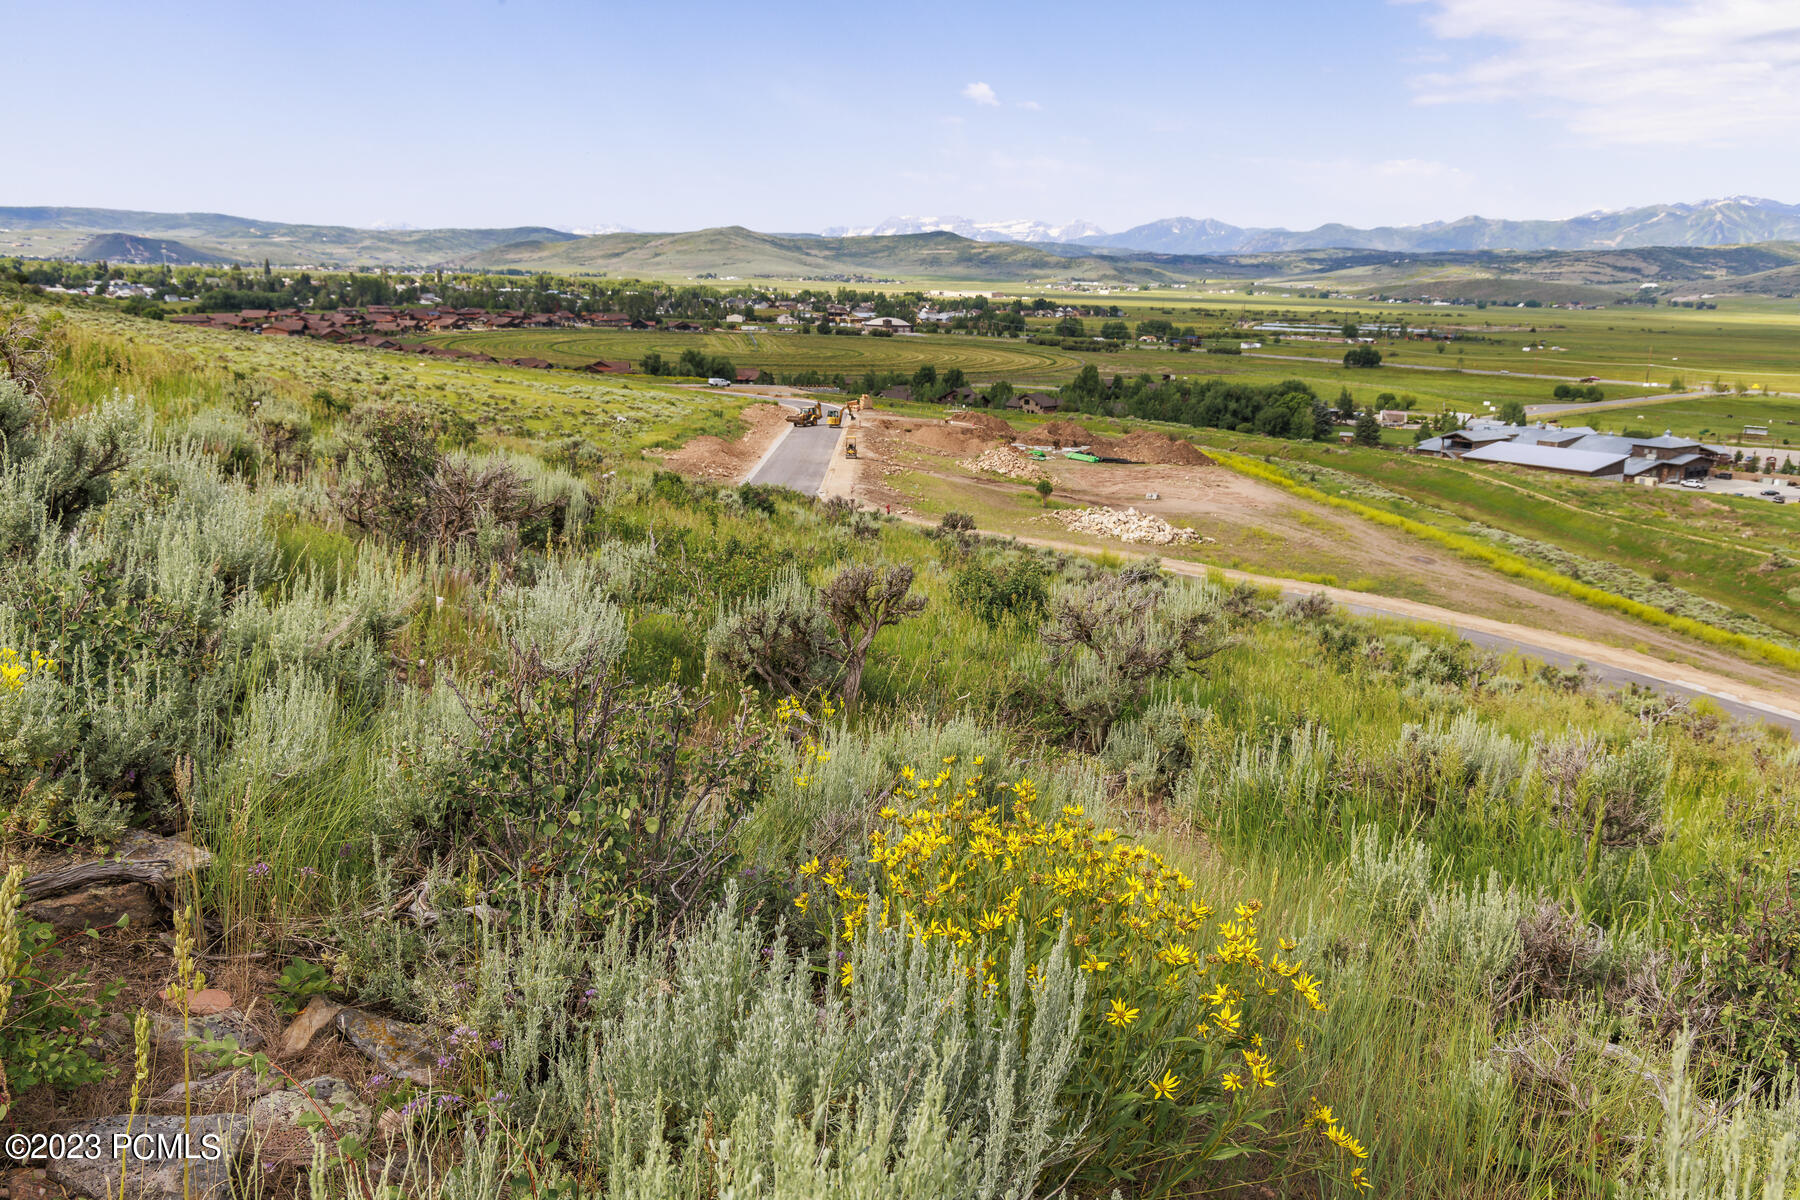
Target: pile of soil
1063,433
988,423
1004,460
1146,446
716,458
952,439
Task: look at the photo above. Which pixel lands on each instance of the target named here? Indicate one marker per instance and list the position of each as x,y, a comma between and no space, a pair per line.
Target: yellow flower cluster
14,671
965,859
789,712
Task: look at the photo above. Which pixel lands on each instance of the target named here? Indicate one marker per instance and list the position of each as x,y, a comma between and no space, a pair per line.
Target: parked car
1698,485
1769,492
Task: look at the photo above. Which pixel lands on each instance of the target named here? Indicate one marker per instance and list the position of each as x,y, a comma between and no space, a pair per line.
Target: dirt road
1610,663
1220,496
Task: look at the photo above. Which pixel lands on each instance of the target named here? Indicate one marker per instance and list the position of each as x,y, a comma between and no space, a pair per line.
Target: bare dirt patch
716,458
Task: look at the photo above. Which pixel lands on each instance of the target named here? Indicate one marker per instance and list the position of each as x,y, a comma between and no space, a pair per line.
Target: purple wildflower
260,870
443,1060
495,1044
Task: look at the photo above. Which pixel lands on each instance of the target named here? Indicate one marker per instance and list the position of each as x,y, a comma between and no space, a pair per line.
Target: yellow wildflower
1120,1016
1165,1088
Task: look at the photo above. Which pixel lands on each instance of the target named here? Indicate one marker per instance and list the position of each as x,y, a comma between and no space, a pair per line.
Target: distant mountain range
1075,232
1739,244
1732,221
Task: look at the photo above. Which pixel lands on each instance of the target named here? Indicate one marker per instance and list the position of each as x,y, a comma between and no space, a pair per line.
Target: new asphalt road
799,458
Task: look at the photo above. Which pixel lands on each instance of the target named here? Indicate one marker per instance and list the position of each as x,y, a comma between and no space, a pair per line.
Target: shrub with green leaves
48,1026
1746,929
1008,586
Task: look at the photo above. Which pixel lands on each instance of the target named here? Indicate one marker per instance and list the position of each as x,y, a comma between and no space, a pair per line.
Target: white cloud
1031,106
981,93
1679,72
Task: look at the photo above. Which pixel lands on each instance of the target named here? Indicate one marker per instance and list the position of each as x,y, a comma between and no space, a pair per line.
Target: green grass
1713,546
1782,656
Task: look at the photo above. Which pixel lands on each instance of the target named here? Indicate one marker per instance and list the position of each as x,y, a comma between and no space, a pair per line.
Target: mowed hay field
1749,340
985,360
981,359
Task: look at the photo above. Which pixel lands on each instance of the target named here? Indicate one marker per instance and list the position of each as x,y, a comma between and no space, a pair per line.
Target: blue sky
791,117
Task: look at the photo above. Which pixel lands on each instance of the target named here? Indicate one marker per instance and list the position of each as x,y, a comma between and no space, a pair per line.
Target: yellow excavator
837,417
806,418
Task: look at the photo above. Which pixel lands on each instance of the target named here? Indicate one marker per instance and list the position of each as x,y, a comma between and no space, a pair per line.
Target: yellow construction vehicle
836,418
850,448
806,418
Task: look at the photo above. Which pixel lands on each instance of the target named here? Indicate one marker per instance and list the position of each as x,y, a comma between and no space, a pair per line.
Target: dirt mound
1163,449
716,458
1004,460
990,424
1128,526
951,439
1062,433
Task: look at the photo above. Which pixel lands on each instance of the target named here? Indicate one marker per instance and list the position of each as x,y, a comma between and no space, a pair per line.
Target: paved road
800,458
1558,407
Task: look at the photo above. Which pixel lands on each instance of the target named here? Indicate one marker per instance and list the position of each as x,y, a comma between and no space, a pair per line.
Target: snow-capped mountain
980,231
1729,221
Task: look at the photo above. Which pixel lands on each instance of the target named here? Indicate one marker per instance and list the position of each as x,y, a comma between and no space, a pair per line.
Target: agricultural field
982,359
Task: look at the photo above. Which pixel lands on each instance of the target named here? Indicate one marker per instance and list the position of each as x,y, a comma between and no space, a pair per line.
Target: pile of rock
1004,460
1128,526
270,1119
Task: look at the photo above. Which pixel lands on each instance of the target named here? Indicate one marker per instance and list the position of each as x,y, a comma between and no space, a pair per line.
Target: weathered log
142,858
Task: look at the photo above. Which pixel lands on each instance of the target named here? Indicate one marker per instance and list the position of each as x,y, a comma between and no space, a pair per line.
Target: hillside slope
63,232
938,255
141,251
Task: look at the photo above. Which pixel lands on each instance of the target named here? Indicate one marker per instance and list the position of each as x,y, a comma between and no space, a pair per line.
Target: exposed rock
178,854
205,1003
166,1029
98,907
1004,460
160,1162
275,1119
394,1046
226,1086
1128,526
306,1027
